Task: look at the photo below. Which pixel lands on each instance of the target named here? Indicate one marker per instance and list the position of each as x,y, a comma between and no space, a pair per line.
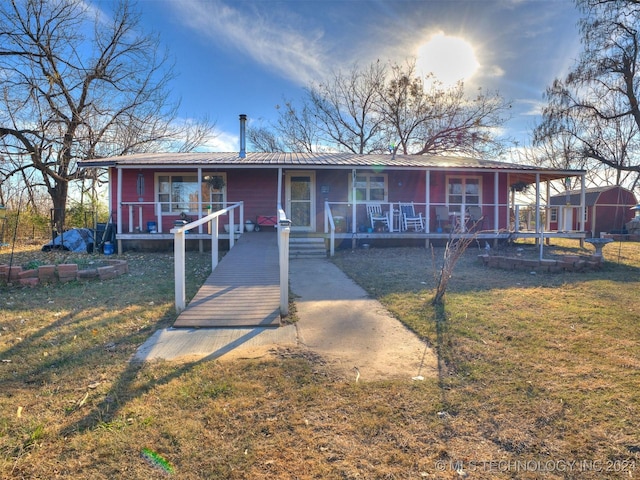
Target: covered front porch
341,231
446,199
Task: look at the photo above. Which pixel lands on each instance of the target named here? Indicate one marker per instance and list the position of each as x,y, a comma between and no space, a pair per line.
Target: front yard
539,379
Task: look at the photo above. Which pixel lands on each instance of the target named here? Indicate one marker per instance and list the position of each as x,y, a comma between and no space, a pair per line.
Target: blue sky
237,57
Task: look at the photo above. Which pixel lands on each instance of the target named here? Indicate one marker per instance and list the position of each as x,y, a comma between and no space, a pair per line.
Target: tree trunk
58,195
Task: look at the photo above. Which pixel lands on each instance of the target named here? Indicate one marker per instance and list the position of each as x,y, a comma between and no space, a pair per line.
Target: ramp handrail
284,229
179,244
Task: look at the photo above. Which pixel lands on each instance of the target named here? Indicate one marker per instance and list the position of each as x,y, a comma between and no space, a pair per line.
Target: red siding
258,189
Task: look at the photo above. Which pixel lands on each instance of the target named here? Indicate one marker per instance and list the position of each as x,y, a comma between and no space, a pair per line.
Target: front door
300,200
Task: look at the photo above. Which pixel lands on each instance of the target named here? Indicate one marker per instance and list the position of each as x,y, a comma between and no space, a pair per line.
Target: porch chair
410,218
374,210
476,219
443,219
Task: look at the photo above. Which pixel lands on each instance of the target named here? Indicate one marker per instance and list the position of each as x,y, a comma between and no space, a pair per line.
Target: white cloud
223,142
276,45
531,107
96,12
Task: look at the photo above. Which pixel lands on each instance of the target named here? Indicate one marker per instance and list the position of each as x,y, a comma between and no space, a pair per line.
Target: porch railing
179,244
136,215
354,219
330,225
355,216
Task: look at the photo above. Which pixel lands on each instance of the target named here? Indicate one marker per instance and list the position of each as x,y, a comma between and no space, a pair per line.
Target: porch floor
242,291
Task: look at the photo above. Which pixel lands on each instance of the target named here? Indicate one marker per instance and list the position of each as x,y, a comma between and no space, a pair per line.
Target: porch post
130,217
179,269
214,243
510,203
119,208
279,196
496,202
582,203
232,228
200,199
353,202
427,197
538,226
284,229
547,202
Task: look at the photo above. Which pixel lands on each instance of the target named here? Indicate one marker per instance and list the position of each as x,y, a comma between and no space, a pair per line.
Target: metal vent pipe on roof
243,140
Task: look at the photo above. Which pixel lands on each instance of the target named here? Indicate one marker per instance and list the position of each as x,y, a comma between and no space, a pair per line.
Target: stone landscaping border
64,272
565,263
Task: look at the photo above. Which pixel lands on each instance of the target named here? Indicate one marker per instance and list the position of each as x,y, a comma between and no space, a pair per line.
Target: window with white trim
463,191
370,187
180,193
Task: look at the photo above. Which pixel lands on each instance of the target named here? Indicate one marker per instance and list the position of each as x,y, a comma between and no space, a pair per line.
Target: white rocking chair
410,218
374,210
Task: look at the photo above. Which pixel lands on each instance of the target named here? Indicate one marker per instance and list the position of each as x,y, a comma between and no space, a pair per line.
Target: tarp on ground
74,240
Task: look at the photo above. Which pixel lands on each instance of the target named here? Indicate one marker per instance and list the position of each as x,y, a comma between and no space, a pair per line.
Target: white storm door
300,207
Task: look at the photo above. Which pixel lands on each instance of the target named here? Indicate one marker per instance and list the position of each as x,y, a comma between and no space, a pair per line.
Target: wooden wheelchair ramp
242,291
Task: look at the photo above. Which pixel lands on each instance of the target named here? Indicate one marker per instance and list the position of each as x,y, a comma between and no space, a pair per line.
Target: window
214,191
553,214
463,191
178,193
370,187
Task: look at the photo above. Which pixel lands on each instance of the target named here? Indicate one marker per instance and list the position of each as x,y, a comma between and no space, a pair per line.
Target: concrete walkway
340,322
337,320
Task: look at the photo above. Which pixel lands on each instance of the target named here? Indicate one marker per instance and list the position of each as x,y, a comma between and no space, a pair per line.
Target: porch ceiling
545,175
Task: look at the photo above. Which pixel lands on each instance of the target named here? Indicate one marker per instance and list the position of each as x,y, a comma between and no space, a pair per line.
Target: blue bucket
152,227
108,248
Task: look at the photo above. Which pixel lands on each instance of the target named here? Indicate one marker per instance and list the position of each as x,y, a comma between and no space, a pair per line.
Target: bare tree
597,102
262,139
427,118
294,131
76,86
403,105
453,251
297,127
345,110
380,107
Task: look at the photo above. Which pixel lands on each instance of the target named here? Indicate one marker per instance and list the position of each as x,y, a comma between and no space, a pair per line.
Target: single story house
364,196
606,209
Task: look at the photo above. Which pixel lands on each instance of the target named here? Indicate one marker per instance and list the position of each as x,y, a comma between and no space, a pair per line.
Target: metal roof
321,160
591,195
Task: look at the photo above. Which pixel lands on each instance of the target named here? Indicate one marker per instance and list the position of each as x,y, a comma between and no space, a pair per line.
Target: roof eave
98,163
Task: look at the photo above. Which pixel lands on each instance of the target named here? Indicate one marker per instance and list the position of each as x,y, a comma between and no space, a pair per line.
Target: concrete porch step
307,247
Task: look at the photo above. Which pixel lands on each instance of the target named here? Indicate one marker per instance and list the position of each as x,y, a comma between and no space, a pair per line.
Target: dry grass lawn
539,379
